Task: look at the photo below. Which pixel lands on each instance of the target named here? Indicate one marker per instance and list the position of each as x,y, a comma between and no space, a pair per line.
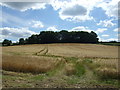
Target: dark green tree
48,37
64,36
33,39
21,41
61,37
6,42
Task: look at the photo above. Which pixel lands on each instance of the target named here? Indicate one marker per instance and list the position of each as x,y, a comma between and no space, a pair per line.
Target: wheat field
43,58
79,50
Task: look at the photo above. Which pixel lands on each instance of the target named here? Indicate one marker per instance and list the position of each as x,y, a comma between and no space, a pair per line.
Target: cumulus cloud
106,23
60,4
79,10
23,6
100,30
7,32
116,30
52,29
105,35
57,4
74,13
111,8
81,28
73,10
37,24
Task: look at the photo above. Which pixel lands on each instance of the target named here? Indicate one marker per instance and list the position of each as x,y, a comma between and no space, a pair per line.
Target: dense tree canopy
62,37
57,37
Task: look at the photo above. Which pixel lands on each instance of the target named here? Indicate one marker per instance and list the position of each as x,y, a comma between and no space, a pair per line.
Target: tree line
46,37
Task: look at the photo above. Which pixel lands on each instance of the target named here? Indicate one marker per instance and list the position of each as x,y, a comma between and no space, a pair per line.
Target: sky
22,19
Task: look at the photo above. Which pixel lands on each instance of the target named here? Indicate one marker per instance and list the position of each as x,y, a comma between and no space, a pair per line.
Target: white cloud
7,32
45,1
116,30
74,10
83,28
112,39
57,4
37,24
74,13
52,29
60,4
110,8
106,23
100,30
77,7
107,40
23,6
105,35
1,39
79,10
80,28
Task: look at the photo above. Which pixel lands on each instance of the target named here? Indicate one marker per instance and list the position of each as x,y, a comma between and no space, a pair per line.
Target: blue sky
22,19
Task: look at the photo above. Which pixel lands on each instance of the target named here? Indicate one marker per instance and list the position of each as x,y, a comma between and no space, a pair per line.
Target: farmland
60,66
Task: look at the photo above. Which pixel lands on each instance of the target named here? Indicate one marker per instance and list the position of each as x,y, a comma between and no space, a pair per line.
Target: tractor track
44,51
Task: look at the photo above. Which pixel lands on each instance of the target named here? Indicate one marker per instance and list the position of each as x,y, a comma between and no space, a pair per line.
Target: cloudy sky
22,19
